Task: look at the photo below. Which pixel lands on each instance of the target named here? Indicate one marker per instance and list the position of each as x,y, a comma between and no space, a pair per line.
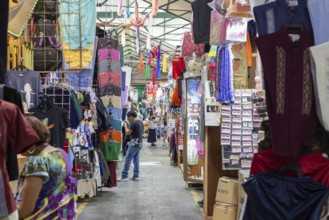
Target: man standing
135,131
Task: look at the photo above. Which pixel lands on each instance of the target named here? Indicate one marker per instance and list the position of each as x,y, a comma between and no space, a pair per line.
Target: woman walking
151,138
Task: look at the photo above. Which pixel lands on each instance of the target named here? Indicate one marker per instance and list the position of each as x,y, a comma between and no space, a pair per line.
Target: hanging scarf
153,75
140,66
225,77
147,72
164,63
158,69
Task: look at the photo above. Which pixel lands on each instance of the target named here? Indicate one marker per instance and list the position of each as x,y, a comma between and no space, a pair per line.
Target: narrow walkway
161,193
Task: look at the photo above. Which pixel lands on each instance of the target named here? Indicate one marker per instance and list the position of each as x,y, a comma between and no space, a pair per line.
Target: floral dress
57,198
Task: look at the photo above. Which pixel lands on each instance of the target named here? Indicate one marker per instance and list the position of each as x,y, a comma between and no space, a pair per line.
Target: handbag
52,205
47,58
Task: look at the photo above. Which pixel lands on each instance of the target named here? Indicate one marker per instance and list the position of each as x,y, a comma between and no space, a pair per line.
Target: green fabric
111,150
76,105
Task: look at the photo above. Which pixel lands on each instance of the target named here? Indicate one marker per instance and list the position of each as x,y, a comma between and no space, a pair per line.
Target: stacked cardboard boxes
226,199
243,175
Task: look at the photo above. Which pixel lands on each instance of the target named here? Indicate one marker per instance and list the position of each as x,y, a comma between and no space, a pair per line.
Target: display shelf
213,169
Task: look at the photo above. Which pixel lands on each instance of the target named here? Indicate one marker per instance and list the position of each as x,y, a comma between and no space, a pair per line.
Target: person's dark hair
40,129
152,117
132,113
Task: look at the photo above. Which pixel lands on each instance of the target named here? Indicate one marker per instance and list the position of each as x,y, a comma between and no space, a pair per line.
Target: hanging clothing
271,196
320,71
201,21
56,120
73,25
289,90
272,16
313,165
82,81
112,181
319,12
28,83
65,98
240,68
178,66
175,99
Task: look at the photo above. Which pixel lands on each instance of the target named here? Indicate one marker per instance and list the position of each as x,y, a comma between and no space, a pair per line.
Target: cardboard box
227,190
224,211
243,175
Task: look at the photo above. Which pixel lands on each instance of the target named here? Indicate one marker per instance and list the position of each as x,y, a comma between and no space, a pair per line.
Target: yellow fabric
164,63
72,57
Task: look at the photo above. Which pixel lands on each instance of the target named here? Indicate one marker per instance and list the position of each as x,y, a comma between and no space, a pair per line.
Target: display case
193,151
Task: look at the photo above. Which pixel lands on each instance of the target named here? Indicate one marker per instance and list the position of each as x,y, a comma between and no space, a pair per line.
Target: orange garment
175,99
116,136
249,51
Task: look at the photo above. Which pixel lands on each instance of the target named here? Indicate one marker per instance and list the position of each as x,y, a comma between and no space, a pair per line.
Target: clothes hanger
20,66
293,24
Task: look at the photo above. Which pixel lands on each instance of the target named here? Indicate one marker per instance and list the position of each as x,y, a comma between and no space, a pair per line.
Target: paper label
294,37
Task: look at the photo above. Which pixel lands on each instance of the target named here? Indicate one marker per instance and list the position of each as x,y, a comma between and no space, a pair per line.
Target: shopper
164,131
151,138
135,144
46,188
125,137
16,130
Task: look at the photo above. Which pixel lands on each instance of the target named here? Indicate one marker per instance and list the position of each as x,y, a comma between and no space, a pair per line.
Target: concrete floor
161,193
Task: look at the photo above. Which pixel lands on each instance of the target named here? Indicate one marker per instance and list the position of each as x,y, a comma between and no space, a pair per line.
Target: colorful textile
225,77
110,135
178,66
103,54
73,24
103,67
111,150
110,82
218,26
113,77
52,168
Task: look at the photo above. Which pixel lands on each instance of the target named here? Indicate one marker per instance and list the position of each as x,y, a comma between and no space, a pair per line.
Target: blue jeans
132,153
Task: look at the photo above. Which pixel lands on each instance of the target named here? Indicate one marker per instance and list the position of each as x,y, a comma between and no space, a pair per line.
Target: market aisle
161,194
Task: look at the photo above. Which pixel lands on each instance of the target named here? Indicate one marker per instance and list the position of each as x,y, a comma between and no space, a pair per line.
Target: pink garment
103,54
104,78
188,46
218,26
